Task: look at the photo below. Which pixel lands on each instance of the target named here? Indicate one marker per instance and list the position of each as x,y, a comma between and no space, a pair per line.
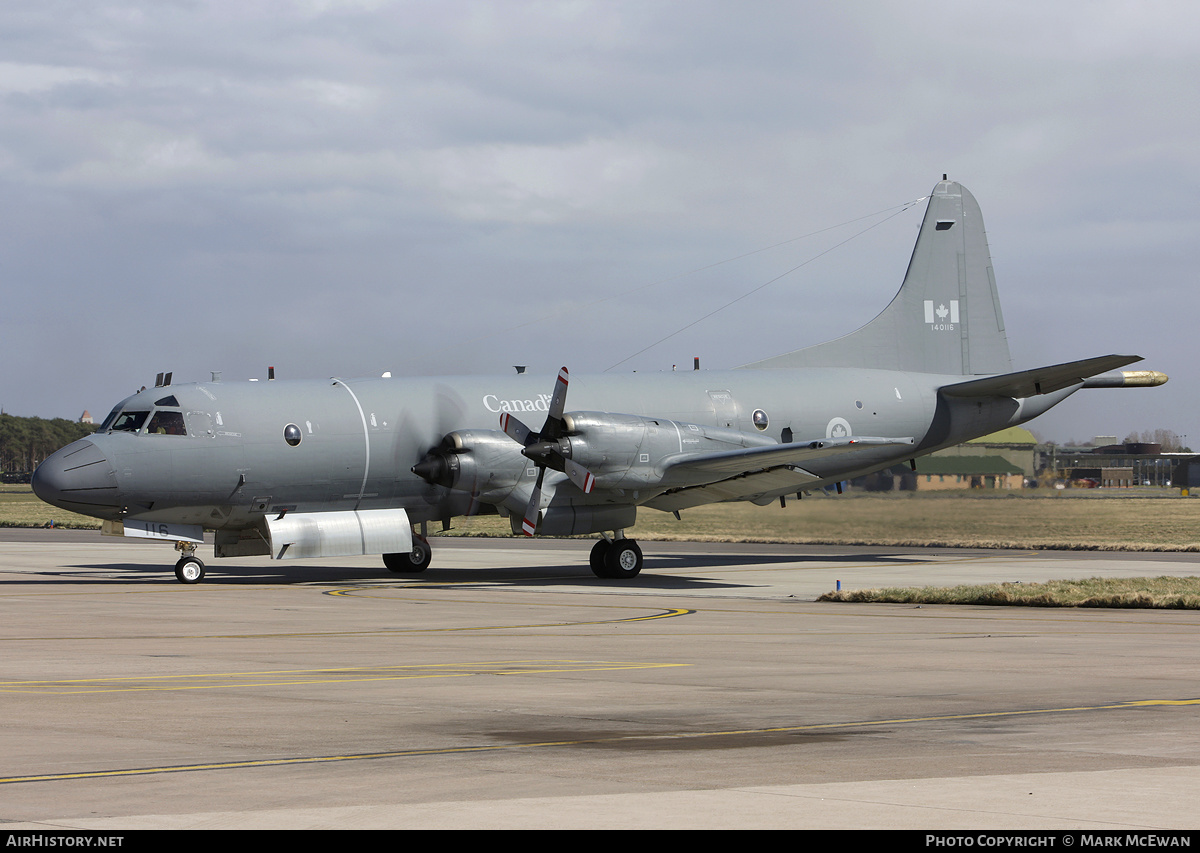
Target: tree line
25,442
1170,440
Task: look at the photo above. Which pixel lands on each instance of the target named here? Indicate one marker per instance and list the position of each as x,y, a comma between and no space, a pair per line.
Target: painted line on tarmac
380,632
324,675
625,739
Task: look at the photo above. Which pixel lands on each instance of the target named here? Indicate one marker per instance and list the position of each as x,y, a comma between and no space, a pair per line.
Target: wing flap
739,488
748,472
692,467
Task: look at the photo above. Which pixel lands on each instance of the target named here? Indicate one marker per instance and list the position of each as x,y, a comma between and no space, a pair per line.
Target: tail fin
945,319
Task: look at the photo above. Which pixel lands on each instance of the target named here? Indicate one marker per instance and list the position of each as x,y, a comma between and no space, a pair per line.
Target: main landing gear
616,558
189,569
414,562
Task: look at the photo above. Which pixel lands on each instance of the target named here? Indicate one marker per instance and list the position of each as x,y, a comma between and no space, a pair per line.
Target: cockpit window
167,401
112,416
166,422
129,421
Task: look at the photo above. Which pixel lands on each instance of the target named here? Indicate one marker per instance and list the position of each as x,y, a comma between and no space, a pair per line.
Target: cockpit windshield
129,421
163,422
166,417
108,422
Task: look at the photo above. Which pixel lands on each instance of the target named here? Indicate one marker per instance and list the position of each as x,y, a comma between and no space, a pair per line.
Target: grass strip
1169,593
1097,520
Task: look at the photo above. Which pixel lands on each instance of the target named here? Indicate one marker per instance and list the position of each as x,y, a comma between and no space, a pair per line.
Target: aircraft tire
599,552
189,570
623,560
414,562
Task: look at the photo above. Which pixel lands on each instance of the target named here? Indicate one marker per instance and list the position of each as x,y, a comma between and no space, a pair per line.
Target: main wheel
189,570
623,560
599,552
414,562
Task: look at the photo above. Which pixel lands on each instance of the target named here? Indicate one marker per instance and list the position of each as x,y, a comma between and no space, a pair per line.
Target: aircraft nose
78,478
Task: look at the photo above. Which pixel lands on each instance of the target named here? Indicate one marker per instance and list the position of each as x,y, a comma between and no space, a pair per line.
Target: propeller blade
558,401
529,522
516,430
580,476
559,398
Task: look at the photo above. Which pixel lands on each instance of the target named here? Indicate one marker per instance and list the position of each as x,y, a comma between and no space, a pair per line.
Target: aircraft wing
745,473
1040,380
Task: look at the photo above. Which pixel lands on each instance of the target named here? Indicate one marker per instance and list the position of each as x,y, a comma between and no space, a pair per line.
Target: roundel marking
837,428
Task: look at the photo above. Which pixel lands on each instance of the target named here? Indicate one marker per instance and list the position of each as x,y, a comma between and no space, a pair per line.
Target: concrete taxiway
508,687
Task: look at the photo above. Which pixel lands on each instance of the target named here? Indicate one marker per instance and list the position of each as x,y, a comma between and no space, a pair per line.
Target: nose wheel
189,569
616,558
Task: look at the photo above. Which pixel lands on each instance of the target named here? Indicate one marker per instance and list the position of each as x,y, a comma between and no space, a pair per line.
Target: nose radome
78,478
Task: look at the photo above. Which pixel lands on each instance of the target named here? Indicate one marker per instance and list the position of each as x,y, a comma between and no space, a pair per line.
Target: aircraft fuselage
358,439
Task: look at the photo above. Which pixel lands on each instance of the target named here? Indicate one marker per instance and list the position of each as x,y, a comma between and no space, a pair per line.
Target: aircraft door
724,408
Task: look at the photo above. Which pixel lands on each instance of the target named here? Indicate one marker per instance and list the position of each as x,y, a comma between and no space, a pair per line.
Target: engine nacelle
580,520
486,463
622,452
629,451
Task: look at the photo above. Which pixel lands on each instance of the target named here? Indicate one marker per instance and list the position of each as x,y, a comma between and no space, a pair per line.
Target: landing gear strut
616,558
189,569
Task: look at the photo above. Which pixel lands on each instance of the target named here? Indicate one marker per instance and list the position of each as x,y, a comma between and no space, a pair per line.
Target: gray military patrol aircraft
309,469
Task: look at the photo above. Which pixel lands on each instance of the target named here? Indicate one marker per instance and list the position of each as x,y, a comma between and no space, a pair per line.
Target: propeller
546,449
425,437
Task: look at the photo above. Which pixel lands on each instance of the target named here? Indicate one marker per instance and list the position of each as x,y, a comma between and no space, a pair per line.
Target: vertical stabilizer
945,319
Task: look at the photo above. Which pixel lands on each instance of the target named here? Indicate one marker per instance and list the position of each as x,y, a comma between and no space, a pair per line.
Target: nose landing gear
189,569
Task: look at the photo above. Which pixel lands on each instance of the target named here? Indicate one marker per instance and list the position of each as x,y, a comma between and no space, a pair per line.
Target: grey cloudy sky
343,188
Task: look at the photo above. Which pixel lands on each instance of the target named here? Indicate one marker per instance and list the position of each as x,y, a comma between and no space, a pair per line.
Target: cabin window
292,434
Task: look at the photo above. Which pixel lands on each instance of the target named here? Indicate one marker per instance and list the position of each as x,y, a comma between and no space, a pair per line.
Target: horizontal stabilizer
1040,380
